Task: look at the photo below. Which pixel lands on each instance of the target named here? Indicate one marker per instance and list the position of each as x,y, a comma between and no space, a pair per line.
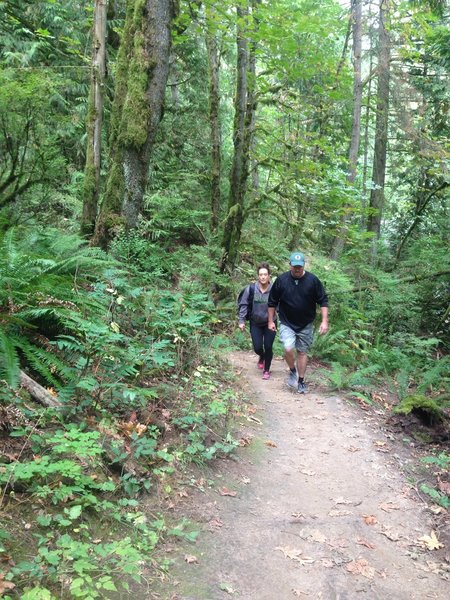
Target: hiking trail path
316,505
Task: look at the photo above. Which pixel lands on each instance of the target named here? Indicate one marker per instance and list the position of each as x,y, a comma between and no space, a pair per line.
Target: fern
9,361
435,376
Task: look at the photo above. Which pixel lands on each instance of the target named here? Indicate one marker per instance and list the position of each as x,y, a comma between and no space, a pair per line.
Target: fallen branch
38,392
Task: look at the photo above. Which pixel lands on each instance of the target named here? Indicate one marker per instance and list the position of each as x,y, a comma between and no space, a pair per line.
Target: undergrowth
134,370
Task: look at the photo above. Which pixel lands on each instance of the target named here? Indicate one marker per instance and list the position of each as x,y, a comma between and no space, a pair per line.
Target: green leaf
74,512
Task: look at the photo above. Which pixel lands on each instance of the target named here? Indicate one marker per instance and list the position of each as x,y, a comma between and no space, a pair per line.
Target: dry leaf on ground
190,559
215,524
5,585
292,553
342,500
353,449
362,542
392,535
370,520
339,513
309,473
317,536
361,567
245,441
430,541
226,492
444,487
271,444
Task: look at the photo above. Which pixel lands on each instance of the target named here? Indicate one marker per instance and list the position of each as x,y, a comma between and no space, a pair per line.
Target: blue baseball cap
297,259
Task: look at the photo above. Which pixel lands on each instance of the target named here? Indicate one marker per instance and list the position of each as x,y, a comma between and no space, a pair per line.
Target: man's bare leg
289,357
302,361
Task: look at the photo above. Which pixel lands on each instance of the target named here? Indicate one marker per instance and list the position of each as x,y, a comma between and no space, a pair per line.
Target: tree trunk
381,126
339,241
245,108
142,72
91,189
214,120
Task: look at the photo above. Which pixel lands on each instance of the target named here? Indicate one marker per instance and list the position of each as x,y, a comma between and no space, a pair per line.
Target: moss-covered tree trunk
91,189
142,71
245,109
214,120
381,125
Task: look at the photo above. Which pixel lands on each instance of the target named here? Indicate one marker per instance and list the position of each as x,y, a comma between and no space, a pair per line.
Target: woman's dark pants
262,339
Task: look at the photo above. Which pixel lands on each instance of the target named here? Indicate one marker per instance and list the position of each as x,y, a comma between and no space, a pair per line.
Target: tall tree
142,72
376,202
91,188
214,108
356,17
244,120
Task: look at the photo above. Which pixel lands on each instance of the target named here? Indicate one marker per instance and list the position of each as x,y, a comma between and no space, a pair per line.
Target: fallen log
38,392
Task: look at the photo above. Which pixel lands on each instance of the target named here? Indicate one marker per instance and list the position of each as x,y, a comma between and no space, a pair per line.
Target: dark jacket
296,299
259,314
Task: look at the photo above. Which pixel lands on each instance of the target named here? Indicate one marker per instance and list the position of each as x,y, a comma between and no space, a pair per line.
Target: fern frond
9,361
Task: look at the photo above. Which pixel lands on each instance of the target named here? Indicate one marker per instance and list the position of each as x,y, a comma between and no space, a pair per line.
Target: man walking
295,294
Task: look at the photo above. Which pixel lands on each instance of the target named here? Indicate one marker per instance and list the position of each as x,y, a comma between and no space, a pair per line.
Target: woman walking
253,307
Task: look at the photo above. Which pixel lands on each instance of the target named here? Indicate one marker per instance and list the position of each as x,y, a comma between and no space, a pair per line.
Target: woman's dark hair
263,265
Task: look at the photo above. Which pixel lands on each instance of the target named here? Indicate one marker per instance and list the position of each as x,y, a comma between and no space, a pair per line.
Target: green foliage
432,408
29,148
204,415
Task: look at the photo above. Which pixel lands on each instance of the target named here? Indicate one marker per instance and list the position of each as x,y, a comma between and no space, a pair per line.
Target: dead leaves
430,542
361,567
5,585
370,520
366,544
270,444
308,473
226,492
191,559
294,554
130,427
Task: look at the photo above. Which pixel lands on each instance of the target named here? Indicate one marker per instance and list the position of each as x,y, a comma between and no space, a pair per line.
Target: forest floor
322,501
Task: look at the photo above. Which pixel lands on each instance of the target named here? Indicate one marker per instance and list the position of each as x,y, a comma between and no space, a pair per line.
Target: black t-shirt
296,299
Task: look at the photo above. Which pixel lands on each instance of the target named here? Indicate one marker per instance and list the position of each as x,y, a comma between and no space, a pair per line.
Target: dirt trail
321,510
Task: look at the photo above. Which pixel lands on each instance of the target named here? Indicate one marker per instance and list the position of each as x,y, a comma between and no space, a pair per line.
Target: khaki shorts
301,341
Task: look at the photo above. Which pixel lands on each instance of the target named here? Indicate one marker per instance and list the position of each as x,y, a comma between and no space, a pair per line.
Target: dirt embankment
317,505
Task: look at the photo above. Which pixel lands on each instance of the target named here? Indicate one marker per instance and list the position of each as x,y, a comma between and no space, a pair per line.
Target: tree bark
91,189
214,119
381,126
339,241
142,72
245,108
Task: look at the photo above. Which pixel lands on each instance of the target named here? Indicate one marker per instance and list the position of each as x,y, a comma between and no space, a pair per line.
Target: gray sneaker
302,387
292,380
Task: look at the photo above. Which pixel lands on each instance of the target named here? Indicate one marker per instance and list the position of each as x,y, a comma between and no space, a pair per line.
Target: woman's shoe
266,375
260,364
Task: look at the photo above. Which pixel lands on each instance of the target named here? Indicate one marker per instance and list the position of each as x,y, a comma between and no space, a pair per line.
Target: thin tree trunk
91,189
366,143
381,126
245,107
214,120
142,72
339,241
